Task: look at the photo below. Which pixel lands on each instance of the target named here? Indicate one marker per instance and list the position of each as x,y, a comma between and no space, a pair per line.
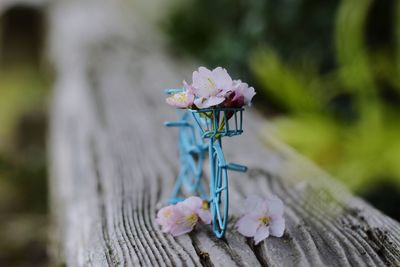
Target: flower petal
252,203
198,76
205,215
208,102
181,228
247,226
275,206
261,234
188,88
167,216
194,203
277,227
165,228
164,214
181,100
203,83
222,79
248,95
243,94
183,221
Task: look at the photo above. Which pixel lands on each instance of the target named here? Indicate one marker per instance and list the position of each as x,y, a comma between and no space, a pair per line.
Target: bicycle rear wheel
219,197
191,157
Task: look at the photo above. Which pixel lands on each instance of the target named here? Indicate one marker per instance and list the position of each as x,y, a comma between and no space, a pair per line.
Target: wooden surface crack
109,251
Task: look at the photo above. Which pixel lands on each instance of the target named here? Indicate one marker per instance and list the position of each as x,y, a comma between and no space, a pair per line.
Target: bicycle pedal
236,167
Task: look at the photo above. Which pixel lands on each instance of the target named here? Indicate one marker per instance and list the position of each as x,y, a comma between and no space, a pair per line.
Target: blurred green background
23,101
327,74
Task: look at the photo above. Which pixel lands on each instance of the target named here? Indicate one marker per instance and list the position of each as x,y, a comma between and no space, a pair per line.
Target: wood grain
113,163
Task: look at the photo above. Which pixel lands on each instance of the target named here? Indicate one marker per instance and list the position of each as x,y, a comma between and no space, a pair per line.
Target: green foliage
21,90
225,32
22,155
23,172
293,89
362,151
332,67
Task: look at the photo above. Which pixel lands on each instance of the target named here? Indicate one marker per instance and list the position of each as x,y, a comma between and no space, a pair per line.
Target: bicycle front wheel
219,198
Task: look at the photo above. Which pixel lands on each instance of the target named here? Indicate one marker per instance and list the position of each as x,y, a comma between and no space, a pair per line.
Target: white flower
182,99
182,217
211,87
200,207
263,217
243,94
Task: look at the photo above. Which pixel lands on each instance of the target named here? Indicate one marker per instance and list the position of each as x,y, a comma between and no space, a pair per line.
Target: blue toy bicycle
199,131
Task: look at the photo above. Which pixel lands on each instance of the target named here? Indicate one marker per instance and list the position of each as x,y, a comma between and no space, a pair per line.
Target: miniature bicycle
199,131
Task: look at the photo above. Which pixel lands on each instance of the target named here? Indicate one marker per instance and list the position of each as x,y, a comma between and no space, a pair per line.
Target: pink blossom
181,100
185,220
240,95
177,219
244,92
166,217
200,207
263,217
182,217
211,87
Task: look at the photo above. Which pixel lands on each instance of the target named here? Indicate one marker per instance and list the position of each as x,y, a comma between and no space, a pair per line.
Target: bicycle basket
219,122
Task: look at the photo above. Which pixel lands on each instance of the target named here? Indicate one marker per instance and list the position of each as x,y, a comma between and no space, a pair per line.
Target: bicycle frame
212,124
186,150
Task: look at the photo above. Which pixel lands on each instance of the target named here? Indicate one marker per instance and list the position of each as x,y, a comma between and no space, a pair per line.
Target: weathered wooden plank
112,162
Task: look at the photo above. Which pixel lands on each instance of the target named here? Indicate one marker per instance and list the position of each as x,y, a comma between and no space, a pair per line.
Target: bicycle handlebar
172,91
177,124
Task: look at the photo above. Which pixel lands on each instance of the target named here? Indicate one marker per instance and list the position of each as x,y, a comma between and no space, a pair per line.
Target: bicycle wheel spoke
220,189
219,217
218,175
